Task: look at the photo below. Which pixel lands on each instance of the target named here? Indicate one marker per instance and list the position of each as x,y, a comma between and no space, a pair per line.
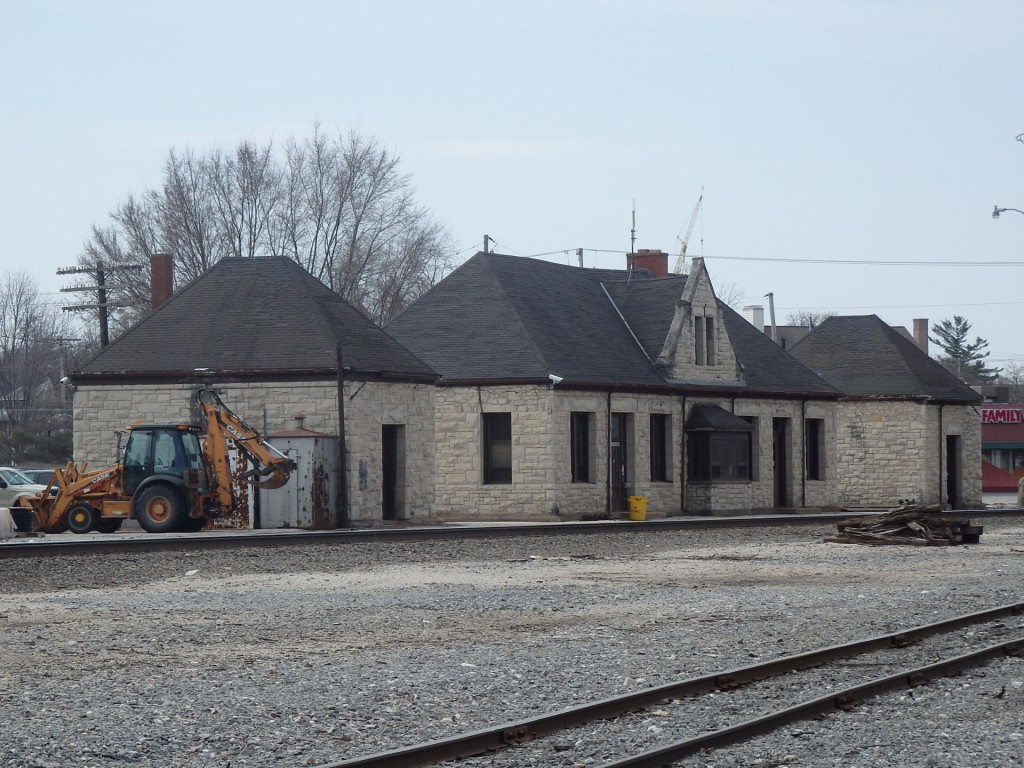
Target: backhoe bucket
275,478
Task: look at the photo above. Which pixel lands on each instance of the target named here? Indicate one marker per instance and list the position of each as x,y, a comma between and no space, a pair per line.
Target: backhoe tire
109,524
81,518
160,508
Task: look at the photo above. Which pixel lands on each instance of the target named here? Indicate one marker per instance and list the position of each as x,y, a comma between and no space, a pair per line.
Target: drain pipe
342,510
608,462
941,452
803,471
682,459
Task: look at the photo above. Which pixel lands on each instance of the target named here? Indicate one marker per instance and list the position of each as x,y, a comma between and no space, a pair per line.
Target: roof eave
287,374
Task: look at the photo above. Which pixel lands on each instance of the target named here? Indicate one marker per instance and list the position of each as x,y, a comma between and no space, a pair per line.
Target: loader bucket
48,519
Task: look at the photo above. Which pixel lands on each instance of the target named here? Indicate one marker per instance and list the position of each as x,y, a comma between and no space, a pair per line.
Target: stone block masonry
101,411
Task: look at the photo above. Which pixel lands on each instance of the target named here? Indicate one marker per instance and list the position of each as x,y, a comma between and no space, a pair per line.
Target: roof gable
862,355
249,316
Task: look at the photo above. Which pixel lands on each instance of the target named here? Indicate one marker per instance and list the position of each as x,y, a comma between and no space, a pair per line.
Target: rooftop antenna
632,245
632,231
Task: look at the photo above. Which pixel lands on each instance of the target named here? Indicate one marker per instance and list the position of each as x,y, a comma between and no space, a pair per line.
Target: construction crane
685,239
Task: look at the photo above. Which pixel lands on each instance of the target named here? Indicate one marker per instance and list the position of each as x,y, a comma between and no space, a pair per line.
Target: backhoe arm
224,429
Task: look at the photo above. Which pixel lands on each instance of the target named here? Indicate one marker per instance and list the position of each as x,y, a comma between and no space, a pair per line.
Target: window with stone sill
497,429
580,435
814,448
661,441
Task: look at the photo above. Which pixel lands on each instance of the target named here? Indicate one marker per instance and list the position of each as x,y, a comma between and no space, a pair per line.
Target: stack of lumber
918,525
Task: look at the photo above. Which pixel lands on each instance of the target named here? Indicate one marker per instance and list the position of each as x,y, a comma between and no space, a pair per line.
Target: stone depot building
519,389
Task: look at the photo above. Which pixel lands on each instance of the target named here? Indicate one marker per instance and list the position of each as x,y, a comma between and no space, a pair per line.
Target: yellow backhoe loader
171,477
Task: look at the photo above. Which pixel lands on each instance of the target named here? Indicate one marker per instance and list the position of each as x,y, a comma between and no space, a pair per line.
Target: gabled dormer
697,347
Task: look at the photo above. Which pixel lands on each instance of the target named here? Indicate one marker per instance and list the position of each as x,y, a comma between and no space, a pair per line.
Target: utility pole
771,314
99,272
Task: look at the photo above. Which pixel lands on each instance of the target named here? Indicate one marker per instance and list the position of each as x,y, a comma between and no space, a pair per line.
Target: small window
497,448
814,448
579,438
661,425
704,340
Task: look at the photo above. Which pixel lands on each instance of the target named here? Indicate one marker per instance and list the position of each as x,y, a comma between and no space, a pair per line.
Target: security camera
65,380
555,379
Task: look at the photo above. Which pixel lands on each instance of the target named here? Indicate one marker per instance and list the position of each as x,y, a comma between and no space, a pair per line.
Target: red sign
1007,414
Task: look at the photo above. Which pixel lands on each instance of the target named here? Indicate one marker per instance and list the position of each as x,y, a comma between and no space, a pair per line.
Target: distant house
566,391
906,429
267,335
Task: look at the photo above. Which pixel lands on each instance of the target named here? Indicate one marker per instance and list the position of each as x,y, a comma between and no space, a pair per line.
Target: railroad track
907,658
68,543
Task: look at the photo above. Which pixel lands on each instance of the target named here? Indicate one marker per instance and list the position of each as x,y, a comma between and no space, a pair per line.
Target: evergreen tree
965,359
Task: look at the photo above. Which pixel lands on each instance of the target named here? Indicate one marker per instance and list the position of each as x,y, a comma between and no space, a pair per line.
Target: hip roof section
861,355
256,316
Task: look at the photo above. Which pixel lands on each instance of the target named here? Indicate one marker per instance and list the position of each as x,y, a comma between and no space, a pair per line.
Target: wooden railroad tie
922,526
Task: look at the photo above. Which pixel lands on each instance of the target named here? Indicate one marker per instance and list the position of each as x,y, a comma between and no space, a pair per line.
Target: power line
794,260
872,262
909,306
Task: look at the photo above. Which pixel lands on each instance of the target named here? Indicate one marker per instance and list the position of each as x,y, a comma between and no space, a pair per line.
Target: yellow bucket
637,507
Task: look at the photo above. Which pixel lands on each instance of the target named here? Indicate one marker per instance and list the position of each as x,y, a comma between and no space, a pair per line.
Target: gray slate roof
255,316
863,356
506,318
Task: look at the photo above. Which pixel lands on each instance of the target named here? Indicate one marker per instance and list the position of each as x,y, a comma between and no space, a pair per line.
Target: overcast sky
821,132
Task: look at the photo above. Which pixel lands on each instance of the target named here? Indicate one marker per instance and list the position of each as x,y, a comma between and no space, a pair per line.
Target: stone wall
895,451
542,485
99,411
758,495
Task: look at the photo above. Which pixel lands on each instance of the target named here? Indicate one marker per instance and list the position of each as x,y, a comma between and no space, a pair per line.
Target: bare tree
34,346
1012,376
245,189
188,216
732,295
807,318
337,205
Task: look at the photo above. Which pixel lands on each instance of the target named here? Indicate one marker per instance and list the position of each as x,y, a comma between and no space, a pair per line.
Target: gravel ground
308,655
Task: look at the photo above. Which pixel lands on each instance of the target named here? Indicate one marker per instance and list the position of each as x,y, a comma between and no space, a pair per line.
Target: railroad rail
494,739
94,543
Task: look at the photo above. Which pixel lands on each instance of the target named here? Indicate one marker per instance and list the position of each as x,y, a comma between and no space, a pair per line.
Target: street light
997,210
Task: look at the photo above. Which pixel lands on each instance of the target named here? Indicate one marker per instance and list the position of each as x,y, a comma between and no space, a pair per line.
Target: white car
14,487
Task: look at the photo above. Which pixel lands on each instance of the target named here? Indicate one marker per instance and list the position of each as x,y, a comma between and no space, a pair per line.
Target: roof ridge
530,336
624,321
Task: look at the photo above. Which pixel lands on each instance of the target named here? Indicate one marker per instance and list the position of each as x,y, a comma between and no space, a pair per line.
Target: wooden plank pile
922,526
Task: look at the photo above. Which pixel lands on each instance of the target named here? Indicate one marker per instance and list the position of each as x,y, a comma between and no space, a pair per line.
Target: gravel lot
308,655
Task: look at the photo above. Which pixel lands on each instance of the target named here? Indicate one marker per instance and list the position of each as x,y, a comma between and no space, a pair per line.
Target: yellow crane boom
685,239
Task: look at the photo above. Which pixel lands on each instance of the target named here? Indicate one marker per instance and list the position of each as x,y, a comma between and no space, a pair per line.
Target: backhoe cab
171,477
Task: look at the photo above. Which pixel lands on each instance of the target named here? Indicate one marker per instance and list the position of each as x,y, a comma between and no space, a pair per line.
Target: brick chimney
921,333
161,268
653,259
